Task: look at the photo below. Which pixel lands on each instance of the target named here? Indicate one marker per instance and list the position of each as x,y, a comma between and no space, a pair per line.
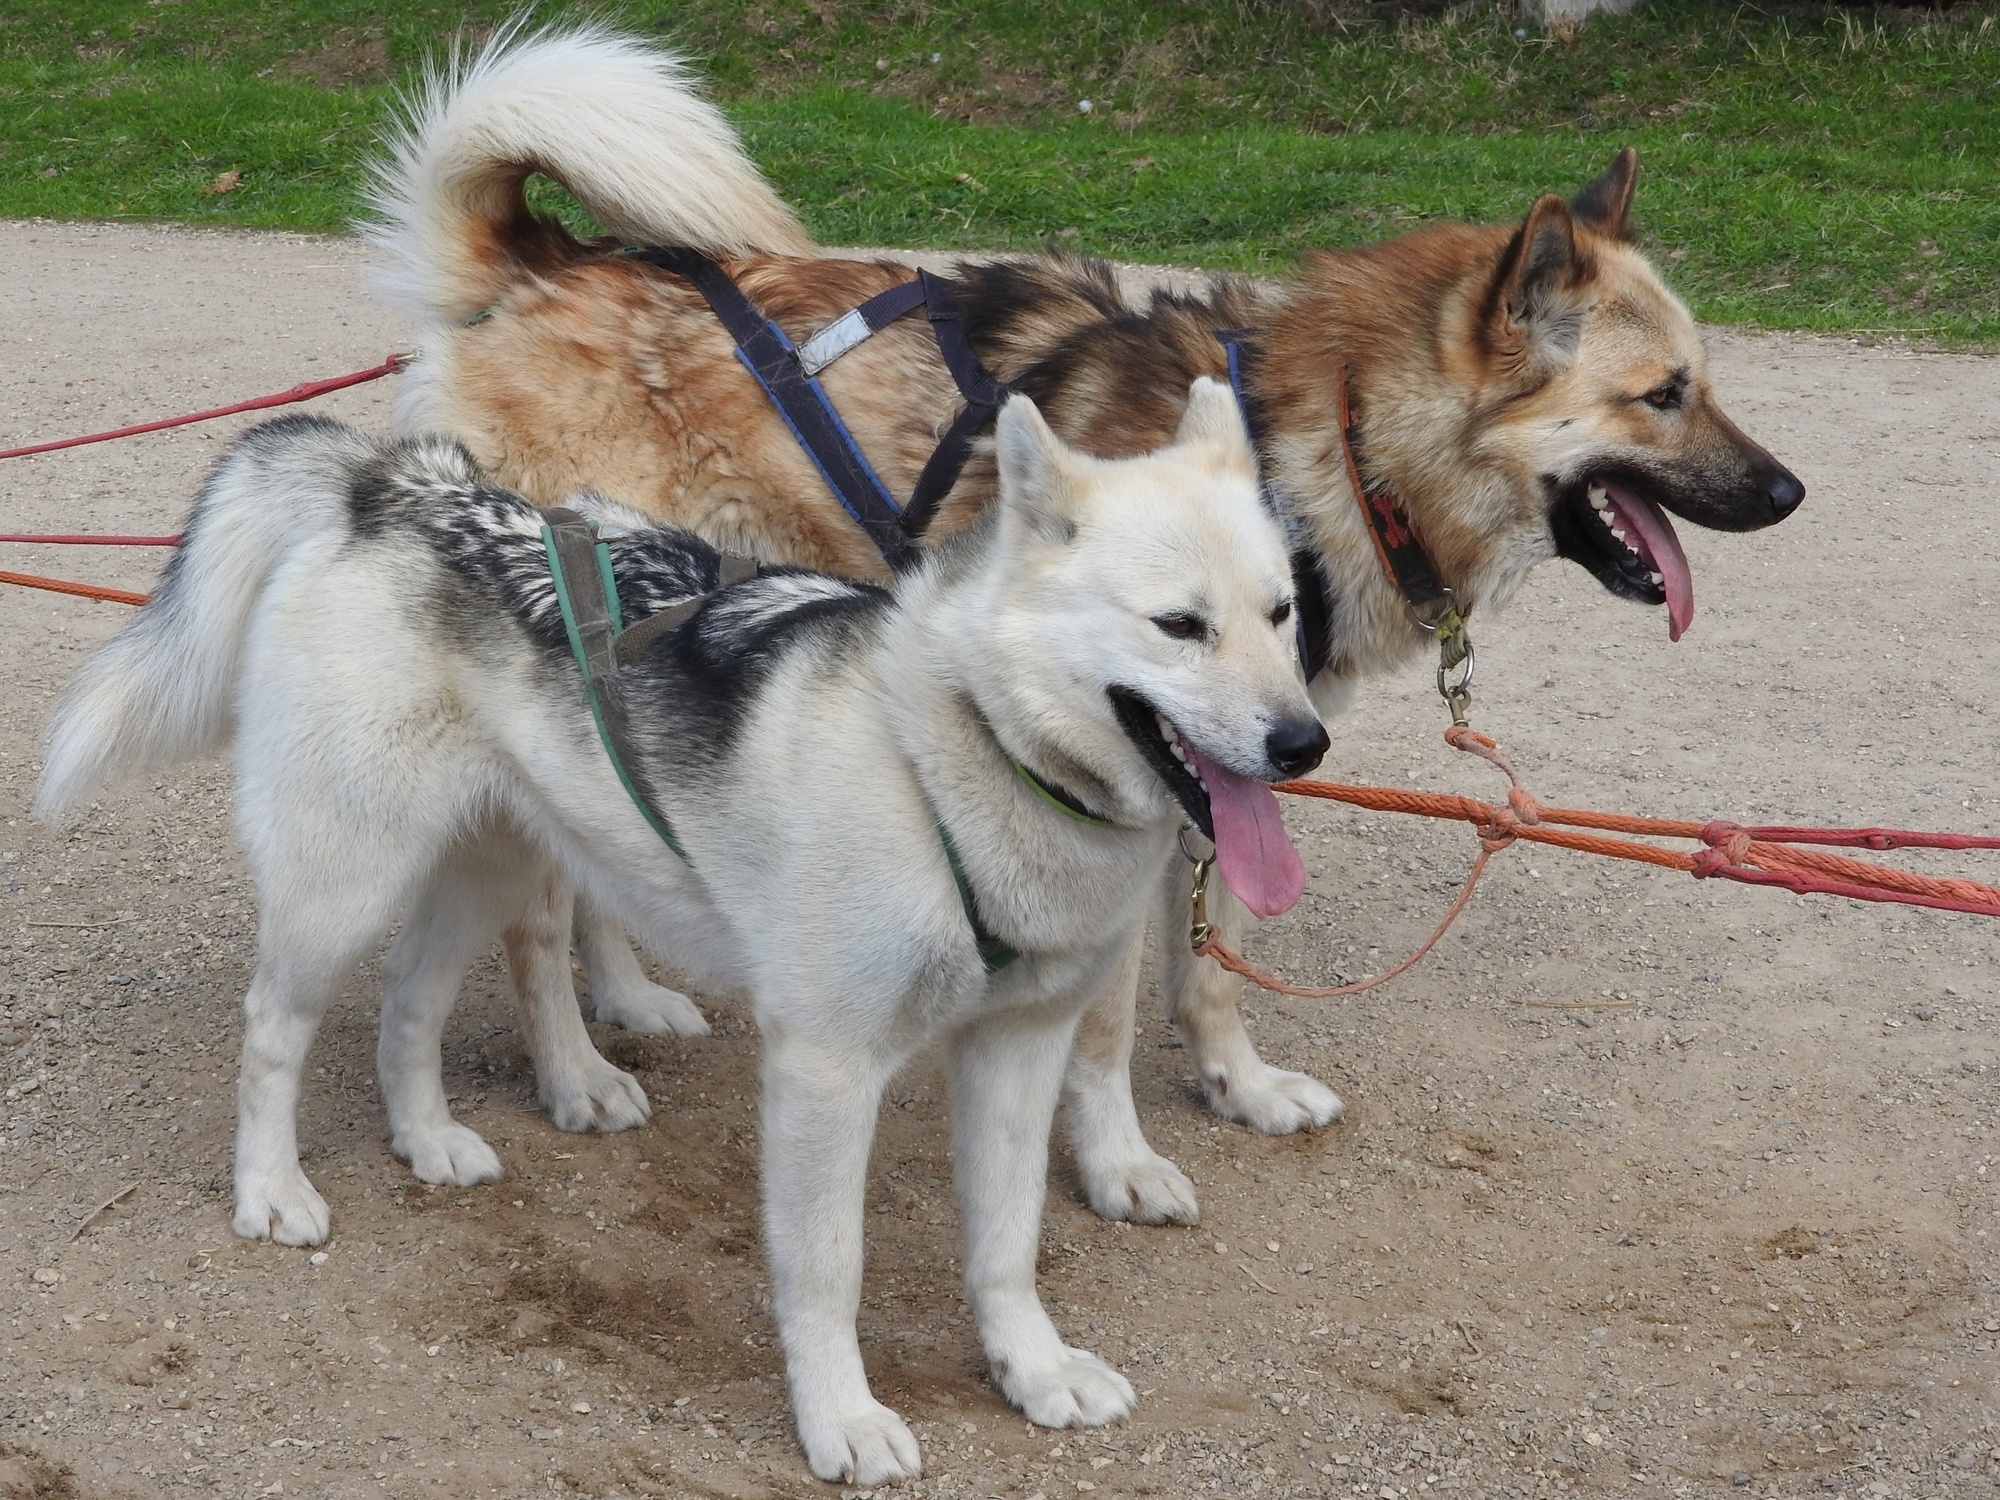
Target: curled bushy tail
163,689
616,120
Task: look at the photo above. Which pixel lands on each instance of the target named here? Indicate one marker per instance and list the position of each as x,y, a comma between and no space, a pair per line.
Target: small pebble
581,1408
1923,1012
1220,1248
1739,1479
317,1258
47,1277
1602,1403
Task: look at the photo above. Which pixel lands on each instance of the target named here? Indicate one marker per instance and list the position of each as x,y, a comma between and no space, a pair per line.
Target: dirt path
1734,1224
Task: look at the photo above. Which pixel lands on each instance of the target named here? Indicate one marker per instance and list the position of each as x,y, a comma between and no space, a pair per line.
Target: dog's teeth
1167,731
1598,498
1180,753
1657,577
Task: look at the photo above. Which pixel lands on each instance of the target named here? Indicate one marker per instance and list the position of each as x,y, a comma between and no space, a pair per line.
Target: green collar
1062,801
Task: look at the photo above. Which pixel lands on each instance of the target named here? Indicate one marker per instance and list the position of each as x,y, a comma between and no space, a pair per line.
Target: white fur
384,762
620,123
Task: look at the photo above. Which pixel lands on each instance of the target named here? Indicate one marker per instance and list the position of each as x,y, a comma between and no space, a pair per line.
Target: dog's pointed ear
1038,482
1214,422
1605,206
1540,267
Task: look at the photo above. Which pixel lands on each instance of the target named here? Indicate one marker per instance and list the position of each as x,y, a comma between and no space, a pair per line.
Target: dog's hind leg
1201,999
579,1089
457,916
312,930
1123,1176
1006,1072
620,992
819,1109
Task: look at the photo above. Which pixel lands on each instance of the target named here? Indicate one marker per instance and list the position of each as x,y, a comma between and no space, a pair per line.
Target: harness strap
983,395
770,357
733,568
994,954
856,325
587,594
1315,597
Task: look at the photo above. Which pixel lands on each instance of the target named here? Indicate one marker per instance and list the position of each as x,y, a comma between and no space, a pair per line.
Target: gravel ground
1646,1186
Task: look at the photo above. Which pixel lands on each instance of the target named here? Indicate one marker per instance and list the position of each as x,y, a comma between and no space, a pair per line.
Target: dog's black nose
1295,746
1784,492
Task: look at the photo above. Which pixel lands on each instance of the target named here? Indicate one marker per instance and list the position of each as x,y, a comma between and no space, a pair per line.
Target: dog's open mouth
1239,813
1605,523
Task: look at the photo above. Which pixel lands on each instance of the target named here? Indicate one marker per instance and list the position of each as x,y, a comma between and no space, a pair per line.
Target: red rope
54,540
305,391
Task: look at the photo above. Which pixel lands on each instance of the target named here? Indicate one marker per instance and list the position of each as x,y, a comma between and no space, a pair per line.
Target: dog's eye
1282,613
1665,398
1182,626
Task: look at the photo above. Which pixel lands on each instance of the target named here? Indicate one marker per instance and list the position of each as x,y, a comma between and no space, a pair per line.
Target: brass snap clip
1443,619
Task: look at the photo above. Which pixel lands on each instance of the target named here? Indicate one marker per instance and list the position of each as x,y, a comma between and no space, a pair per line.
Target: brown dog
1524,392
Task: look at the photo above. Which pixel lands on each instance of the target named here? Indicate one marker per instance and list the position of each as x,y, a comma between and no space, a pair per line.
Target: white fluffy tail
163,689
615,120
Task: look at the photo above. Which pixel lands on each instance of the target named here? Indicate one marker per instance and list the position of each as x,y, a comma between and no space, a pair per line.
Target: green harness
595,625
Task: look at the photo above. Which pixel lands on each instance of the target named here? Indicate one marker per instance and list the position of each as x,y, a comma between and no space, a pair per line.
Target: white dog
889,817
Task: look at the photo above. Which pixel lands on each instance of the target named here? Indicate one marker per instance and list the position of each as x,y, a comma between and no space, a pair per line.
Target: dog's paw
449,1156
603,1098
866,1447
1145,1189
1076,1390
1271,1100
285,1207
652,1009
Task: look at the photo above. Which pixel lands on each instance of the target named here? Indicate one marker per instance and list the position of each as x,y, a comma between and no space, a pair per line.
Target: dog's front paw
652,1009
603,1098
1271,1100
1145,1189
867,1446
1077,1389
285,1207
449,1156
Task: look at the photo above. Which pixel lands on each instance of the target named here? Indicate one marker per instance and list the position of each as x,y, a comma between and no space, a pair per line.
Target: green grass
1805,166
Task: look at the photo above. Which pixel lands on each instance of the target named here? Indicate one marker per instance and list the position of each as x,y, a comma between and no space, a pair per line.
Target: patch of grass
1806,166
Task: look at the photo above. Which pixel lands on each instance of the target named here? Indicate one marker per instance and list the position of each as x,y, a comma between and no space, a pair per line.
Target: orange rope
1732,851
81,590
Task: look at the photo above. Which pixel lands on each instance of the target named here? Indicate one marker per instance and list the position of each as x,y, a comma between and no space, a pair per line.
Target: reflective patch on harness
834,340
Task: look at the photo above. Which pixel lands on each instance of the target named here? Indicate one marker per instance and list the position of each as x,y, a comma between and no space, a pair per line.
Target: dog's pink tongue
1252,849
1656,538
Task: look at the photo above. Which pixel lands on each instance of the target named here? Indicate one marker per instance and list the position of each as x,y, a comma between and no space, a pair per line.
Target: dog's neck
1353,318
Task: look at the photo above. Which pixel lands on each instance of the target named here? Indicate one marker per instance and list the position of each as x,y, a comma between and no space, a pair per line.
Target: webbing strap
770,357
733,568
983,395
993,953
1315,597
856,325
587,594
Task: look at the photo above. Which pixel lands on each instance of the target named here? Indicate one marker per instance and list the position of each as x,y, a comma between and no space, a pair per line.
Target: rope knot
1732,840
